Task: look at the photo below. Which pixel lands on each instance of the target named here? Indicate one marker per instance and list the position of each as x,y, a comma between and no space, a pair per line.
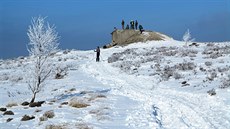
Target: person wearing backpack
141,28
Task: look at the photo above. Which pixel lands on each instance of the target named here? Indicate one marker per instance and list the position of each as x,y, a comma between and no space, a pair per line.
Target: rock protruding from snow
124,37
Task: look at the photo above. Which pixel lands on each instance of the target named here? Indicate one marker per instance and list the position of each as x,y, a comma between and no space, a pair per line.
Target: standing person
141,28
136,24
127,27
98,54
132,24
123,24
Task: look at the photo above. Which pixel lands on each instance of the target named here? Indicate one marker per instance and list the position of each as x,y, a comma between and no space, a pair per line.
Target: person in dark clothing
141,28
136,24
123,24
98,54
132,24
127,27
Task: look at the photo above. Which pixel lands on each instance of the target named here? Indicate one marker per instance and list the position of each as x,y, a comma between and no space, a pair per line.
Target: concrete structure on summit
127,36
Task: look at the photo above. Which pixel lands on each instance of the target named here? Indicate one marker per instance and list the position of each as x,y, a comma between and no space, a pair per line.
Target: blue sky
85,24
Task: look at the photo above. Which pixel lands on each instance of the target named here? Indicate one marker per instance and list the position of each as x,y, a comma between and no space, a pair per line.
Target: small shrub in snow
187,52
208,63
61,72
78,103
226,82
176,75
96,96
202,69
185,66
56,127
222,69
15,78
211,92
211,76
83,126
11,104
4,77
167,72
43,118
210,44
49,114
114,57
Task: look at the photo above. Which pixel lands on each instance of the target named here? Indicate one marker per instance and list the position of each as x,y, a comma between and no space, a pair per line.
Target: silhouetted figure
127,27
136,24
123,24
132,24
141,28
98,54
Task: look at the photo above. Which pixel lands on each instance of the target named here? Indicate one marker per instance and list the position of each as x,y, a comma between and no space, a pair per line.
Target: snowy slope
157,84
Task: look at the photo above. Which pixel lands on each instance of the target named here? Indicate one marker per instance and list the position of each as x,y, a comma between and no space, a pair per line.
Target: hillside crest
128,36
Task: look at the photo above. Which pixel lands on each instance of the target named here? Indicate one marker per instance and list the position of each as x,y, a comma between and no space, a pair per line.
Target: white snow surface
138,86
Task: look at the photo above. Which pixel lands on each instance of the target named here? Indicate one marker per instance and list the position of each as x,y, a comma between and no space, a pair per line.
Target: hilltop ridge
128,36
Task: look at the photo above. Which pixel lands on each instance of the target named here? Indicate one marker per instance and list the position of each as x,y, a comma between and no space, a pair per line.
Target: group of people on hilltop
133,25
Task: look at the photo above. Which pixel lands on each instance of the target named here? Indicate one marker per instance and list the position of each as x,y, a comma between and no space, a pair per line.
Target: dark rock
36,104
8,113
64,103
26,118
184,82
3,109
194,44
25,103
9,119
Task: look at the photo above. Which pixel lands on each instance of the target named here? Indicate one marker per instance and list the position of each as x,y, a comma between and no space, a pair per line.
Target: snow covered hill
157,84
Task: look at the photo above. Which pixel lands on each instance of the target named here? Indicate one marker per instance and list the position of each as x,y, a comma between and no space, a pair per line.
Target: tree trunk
32,100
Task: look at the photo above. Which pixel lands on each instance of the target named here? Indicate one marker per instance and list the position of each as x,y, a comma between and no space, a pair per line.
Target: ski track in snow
159,108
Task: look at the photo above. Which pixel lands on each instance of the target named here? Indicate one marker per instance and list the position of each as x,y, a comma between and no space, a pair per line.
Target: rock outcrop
124,37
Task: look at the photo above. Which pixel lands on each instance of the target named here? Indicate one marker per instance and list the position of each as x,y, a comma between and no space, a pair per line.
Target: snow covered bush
168,72
56,127
43,43
49,114
208,63
183,52
11,104
214,51
78,103
185,66
225,82
212,75
211,92
60,72
114,57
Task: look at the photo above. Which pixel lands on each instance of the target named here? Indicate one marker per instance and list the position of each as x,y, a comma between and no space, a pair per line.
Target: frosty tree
43,42
187,37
